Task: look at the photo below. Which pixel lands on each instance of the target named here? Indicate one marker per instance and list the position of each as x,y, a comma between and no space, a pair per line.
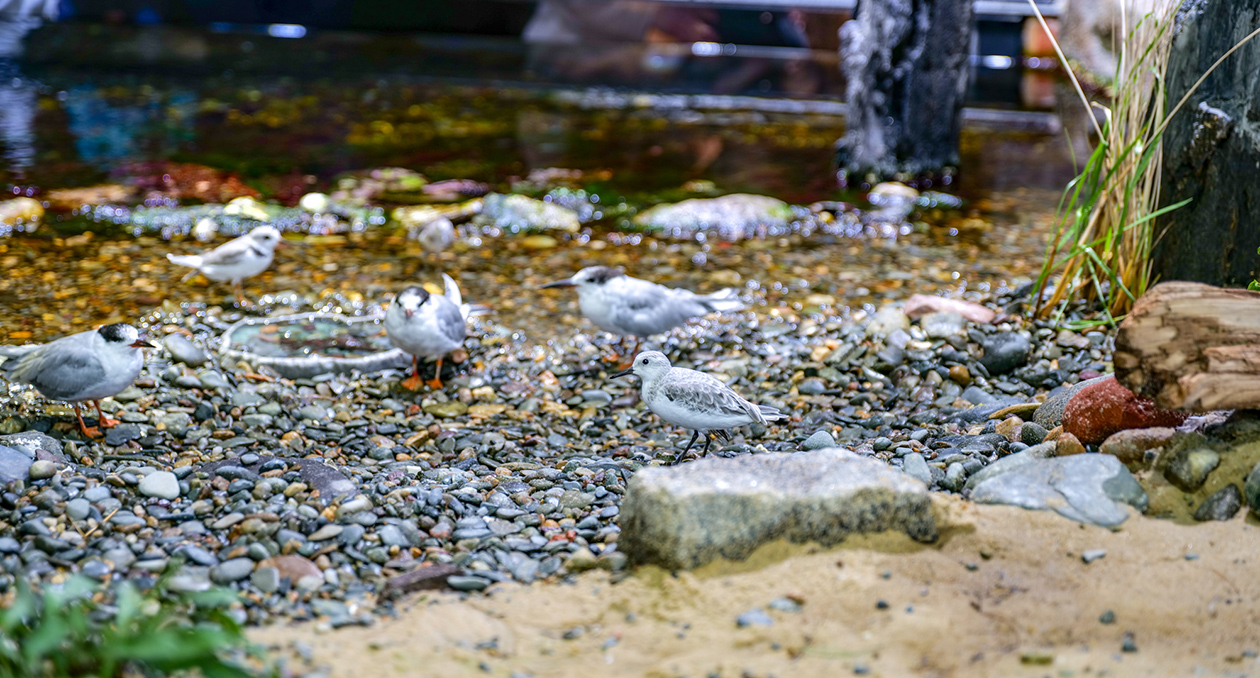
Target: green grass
1106,231
1101,250
66,631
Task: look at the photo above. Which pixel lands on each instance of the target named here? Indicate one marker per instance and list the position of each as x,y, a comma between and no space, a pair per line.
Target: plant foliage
66,631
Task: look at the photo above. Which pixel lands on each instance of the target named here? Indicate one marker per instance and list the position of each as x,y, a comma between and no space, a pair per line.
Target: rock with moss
521,214
392,184
735,216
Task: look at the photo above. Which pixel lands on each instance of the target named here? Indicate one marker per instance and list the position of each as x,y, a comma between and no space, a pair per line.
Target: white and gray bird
437,235
81,367
627,306
235,260
694,400
427,326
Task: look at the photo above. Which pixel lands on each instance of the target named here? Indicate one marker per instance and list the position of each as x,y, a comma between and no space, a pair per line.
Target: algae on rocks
518,213
740,215
685,516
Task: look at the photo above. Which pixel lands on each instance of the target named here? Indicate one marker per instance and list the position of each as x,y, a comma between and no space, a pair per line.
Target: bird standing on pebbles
234,260
694,400
627,306
436,236
85,366
427,325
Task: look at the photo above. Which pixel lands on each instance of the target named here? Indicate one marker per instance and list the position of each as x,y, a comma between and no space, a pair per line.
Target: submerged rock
518,213
683,517
922,304
1088,488
1221,505
740,215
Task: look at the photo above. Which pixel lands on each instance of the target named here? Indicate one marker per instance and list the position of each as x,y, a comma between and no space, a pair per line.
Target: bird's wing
645,308
60,369
451,322
231,252
706,393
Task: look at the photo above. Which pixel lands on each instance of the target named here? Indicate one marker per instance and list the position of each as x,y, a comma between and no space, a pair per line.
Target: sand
1005,592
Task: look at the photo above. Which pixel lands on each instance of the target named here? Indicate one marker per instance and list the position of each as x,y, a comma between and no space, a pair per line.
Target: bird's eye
645,361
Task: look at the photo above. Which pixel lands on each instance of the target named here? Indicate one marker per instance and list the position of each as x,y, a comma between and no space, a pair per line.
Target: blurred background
280,91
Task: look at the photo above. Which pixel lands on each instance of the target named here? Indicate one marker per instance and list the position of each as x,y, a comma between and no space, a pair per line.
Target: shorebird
626,306
436,236
428,325
85,366
234,260
694,400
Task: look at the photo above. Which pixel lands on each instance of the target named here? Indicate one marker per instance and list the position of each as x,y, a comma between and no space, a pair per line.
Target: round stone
161,484
42,469
232,570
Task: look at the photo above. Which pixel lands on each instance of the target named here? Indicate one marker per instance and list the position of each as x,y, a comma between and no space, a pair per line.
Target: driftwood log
1192,347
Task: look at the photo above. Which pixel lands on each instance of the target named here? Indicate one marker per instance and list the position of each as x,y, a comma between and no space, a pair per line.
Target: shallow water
285,136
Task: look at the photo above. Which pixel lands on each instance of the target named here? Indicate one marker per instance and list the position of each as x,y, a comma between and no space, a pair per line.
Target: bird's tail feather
771,413
723,301
451,290
470,310
9,356
193,261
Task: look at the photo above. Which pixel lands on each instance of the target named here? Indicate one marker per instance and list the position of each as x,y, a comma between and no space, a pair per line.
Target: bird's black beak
143,344
567,282
622,373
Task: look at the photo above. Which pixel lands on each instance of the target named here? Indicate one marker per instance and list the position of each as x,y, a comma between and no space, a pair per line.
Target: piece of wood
432,577
1192,347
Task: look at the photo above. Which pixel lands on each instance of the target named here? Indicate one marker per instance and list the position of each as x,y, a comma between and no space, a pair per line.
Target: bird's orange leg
413,382
88,431
102,420
436,381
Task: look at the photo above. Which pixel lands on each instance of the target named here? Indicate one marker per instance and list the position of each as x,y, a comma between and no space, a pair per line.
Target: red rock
922,304
1106,407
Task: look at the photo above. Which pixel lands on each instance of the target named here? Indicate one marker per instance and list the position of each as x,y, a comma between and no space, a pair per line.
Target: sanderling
627,306
694,400
234,260
85,366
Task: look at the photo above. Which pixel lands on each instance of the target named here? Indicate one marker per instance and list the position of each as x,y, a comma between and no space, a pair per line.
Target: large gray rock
1088,488
684,516
41,445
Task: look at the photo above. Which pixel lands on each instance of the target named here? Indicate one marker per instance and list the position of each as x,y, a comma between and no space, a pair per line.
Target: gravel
331,487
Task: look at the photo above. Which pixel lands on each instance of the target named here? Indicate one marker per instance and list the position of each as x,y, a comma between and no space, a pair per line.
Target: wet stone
185,351
1188,469
266,579
1004,352
1220,505
78,508
467,583
42,469
162,484
232,570
754,617
14,464
326,532
199,555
